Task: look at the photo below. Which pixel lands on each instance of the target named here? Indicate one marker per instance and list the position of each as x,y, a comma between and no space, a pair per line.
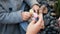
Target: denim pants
23,25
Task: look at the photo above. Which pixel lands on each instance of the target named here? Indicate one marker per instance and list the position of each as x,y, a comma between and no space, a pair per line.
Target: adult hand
34,27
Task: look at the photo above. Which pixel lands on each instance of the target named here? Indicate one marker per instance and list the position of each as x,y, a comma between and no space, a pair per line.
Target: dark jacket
10,15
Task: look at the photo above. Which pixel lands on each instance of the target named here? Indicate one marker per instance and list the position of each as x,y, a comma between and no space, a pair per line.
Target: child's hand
35,8
25,16
43,9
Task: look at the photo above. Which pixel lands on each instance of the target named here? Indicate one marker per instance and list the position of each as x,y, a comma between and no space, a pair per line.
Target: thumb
33,22
40,16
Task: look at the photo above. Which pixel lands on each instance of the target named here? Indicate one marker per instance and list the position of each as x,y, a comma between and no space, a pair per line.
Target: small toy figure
34,15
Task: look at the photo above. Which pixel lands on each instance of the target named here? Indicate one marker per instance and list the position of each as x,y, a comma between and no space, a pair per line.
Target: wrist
30,33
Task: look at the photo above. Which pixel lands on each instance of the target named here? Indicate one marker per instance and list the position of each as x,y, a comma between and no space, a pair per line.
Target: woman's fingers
40,22
33,22
42,25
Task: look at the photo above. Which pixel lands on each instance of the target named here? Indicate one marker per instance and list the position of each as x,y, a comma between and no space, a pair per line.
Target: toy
34,15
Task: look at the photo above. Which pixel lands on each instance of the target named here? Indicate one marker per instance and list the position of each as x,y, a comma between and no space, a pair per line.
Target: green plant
57,8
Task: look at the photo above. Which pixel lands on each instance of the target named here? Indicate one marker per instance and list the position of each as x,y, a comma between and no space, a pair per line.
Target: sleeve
31,2
10,18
